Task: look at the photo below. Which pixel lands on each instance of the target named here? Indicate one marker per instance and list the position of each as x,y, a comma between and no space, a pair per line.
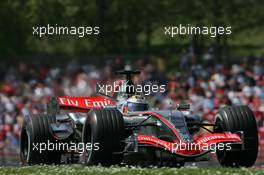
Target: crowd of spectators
26,88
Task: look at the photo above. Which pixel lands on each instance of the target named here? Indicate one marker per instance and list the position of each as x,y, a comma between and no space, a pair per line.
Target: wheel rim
25,145
87,139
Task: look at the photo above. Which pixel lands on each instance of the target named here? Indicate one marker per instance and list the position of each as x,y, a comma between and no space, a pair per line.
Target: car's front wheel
234,119
104,130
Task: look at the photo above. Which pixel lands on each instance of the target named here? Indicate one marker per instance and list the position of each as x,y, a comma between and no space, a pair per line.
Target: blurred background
207,72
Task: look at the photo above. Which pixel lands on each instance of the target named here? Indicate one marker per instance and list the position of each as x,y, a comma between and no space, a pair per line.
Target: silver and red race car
122,128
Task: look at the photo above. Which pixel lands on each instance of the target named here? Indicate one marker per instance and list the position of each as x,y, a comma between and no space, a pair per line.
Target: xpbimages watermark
80,31
59,146
188,29
146,89
213,147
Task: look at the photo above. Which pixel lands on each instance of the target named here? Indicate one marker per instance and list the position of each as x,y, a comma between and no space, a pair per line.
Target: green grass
79,169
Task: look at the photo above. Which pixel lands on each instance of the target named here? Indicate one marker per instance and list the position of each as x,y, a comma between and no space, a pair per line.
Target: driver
135,103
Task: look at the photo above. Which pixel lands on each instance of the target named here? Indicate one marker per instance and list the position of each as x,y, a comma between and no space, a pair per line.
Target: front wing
199,147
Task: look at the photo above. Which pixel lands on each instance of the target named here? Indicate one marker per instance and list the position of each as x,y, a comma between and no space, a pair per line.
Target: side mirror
183,106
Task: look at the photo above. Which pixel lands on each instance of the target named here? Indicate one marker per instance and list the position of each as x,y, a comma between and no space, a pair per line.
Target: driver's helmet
136,103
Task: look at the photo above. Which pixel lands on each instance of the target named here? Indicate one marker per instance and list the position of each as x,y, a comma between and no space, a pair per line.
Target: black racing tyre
104,128
35,131
233,119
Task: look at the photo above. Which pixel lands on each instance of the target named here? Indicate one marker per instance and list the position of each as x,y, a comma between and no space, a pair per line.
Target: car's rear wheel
234,119
104,130
34,133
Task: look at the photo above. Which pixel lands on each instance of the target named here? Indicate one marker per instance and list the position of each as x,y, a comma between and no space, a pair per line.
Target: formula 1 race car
122,128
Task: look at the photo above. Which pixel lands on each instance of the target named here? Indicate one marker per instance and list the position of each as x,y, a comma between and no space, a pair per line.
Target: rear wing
76,104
